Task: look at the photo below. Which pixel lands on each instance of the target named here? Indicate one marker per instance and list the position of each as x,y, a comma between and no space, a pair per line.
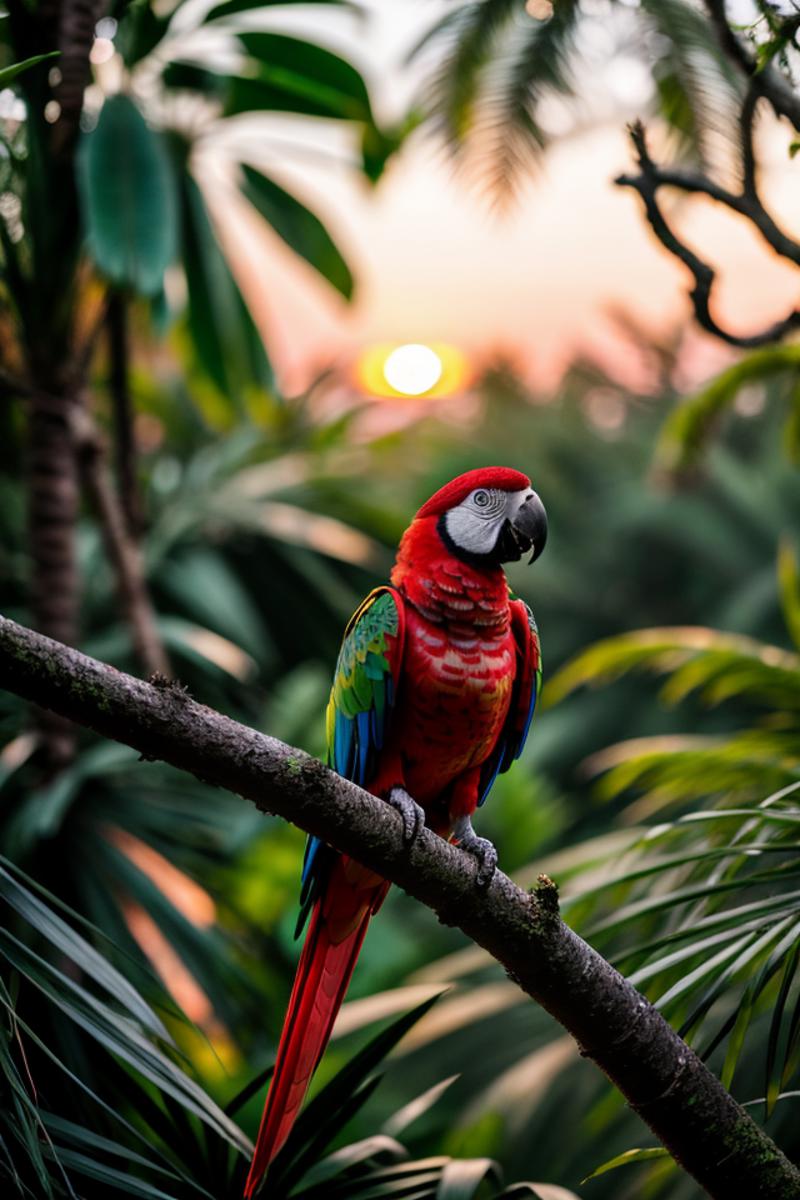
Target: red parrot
433,696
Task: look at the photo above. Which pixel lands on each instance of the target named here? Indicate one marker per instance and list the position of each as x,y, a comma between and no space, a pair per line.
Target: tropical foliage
146,944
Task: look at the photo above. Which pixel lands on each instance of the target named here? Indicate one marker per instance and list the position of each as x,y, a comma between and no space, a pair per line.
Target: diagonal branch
122,408
652,178
768,82
122,548
664,1081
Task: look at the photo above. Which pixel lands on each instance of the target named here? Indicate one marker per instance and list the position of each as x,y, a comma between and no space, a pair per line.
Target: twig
746,120
122,550
768,82
648,182
664,1081
124,441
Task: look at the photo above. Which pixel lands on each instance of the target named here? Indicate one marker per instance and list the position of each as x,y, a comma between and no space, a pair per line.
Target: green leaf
416,1108
775,1078
623,1160
69,943
230,8
462,1178
228,346
119,1181
290,75
378,1146
499,65
7,74
699,88
378,144
687,431
334,1103
719,665
129,199
762,1099
79,1135
120,1035
789,586
248,1091
299,228
206,587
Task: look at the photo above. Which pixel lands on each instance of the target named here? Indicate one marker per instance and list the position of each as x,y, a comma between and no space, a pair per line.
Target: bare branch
746,122
664,1081
119,387
766,80
122,549
747,203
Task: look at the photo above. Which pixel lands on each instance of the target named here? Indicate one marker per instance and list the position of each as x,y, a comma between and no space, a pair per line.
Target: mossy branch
663,1080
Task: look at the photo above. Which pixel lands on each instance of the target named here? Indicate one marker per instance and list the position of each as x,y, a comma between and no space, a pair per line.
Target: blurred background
271,274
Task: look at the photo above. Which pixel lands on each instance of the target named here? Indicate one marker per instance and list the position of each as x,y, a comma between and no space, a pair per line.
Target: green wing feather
362,696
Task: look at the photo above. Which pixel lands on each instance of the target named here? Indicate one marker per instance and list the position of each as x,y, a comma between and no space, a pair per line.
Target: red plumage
464,657
335,933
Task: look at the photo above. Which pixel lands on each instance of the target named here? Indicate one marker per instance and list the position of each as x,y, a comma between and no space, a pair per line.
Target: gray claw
482,849
411,812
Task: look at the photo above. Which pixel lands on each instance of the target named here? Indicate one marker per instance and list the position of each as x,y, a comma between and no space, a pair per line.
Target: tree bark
662,1078
52,514
52,218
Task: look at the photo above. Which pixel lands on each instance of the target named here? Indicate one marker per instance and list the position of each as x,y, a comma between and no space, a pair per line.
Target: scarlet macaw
433,696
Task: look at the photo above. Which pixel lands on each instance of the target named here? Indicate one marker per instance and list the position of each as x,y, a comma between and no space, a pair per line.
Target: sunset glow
412,370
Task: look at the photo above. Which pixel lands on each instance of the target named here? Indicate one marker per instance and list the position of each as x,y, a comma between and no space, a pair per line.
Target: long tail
336,931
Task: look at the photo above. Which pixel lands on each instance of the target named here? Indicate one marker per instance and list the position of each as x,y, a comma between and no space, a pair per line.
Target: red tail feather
336,931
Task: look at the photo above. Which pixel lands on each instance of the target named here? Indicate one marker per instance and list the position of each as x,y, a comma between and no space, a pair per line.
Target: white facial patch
474,525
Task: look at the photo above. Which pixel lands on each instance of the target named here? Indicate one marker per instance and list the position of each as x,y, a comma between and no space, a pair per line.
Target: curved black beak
529,526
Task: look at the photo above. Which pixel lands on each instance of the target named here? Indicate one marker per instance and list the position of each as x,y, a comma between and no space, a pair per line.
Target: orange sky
433,263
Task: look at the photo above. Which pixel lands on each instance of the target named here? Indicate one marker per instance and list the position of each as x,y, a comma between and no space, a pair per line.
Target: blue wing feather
359,710
523,700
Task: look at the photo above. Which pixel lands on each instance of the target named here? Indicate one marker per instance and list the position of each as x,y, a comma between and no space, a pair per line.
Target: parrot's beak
529,527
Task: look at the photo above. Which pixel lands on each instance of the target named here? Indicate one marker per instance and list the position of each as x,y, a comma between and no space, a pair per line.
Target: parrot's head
489,516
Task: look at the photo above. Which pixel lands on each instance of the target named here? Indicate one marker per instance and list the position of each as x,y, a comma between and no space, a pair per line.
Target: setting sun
412,370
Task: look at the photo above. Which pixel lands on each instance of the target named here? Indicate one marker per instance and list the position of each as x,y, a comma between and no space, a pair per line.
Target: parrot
433,695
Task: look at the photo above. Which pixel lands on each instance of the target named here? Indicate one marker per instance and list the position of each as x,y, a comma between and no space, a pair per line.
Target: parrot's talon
481,848
412,814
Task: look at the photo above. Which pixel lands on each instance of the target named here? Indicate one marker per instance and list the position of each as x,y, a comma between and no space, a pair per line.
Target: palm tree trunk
53,511
52,370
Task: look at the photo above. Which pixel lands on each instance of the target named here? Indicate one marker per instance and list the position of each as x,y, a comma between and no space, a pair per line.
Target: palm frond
686,433
699,90
717,665
703,914
499,64
70,1019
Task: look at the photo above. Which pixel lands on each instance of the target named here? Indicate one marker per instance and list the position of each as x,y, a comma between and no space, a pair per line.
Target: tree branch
119,387
122,549
747,203
664,1081
766,81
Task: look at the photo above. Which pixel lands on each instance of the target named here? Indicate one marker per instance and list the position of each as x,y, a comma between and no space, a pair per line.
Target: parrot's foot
411,812
467,839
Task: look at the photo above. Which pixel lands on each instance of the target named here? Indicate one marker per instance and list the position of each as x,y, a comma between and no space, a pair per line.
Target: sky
537,283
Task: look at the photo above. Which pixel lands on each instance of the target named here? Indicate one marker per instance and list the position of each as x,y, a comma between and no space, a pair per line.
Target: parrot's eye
481,499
